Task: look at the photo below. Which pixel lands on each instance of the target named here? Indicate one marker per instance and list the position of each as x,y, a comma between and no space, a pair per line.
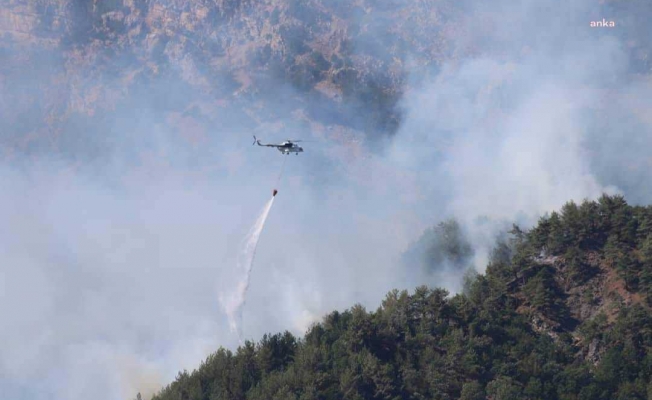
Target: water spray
234,303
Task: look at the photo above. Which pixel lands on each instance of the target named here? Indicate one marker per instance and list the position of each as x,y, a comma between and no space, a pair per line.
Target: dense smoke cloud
531,121
119,233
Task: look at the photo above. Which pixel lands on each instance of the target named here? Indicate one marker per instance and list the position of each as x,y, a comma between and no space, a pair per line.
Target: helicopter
287,147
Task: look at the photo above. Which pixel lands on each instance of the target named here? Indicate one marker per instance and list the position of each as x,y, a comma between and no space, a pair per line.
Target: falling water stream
233,303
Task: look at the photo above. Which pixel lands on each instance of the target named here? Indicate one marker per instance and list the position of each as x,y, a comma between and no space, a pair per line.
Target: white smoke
115,249
233,302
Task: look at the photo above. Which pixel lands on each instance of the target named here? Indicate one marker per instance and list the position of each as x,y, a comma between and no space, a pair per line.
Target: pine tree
646,267
504,388
571,220
556,239
472,390
578,270
591,234
645,224
539,235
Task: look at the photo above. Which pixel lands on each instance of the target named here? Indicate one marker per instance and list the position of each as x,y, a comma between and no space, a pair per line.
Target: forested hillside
561,313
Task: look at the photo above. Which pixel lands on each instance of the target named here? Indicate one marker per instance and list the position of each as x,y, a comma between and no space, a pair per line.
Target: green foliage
621,233
621,257
579,271
452,244
545,296
472,391
504,388
445,244
474,345
594,328
645,278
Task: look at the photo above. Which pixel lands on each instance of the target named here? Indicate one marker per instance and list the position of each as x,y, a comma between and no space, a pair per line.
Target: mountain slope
70,67
561,313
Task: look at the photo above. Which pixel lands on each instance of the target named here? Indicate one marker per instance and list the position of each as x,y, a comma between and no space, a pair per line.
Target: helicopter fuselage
286,147
292,148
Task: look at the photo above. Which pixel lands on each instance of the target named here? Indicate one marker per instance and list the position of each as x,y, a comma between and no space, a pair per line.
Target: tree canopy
561,313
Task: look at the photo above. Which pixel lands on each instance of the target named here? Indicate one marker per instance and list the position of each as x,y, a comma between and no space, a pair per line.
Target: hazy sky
111,265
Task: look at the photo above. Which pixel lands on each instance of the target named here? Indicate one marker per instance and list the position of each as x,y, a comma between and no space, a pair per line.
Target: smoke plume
129,179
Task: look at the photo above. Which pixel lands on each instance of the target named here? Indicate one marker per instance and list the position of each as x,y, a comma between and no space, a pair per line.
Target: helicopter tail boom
257,141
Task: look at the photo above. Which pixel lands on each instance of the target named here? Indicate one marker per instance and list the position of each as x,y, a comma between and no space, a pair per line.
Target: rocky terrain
69,65
71,68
